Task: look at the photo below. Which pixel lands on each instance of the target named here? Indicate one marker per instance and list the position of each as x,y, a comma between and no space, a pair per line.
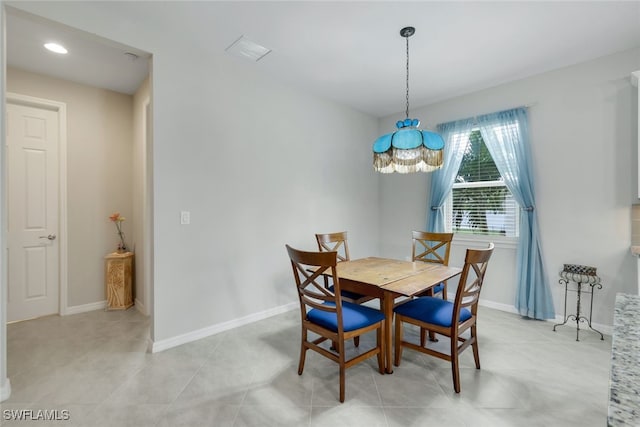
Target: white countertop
624,400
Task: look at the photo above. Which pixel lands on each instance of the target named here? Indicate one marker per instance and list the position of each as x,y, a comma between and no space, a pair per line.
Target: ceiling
350,52
91,60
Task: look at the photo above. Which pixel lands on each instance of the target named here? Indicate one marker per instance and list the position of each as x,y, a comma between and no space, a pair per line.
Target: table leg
387,309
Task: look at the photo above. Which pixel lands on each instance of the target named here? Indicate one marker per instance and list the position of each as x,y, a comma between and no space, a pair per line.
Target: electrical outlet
185,217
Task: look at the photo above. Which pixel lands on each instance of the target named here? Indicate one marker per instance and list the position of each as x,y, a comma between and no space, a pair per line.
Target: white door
32,202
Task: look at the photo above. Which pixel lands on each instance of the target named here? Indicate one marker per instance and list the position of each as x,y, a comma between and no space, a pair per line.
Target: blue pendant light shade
408,149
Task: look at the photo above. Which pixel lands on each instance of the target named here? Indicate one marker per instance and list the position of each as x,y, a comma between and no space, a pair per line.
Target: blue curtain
456,136
507,138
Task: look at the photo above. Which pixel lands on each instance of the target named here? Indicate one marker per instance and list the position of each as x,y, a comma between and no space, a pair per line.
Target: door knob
50,237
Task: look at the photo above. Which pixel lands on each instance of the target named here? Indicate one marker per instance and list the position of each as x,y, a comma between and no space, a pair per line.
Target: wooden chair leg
423,337
474,347
455,370
444,292
303,351
356,342
342,369
398,341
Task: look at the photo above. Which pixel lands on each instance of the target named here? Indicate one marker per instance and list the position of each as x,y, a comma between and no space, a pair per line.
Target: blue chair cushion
354,316
438,288
431,310
346,294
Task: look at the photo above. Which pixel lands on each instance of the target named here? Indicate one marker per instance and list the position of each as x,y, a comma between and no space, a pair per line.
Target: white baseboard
156,346
100,305
76,309
138,305
5,390
605,329
498,306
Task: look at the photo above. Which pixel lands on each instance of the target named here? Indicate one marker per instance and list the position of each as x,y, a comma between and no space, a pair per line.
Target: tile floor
95,366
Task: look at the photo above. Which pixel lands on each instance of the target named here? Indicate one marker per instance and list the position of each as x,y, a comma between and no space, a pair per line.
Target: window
480,203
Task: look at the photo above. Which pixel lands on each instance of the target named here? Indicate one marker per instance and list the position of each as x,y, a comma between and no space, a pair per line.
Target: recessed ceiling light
55,47
245,48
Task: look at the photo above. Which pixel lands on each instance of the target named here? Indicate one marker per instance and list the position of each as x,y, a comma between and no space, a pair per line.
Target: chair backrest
471,279
431,247
336,242
308,267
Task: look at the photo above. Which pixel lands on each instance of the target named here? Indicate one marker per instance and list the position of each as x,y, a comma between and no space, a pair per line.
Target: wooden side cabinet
119,280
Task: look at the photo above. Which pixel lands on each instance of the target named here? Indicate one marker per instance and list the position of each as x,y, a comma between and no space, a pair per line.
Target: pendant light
408,149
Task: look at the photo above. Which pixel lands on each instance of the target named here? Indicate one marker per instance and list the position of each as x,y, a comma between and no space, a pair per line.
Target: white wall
583,128
256,163
99,164
259,165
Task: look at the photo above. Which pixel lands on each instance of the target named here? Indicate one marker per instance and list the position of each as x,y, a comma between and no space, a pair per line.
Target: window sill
483,241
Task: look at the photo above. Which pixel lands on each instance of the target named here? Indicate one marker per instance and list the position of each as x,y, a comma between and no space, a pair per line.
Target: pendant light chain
407,112
408,149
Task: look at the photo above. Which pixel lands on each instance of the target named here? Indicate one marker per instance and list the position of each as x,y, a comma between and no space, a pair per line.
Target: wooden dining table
388,279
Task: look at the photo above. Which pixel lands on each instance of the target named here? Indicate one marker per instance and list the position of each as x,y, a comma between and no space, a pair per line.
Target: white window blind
480,203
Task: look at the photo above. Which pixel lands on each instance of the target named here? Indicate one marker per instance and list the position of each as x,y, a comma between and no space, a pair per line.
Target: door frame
147,205
61,109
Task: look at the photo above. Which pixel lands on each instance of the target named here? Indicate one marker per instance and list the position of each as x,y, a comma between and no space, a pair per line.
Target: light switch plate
185,217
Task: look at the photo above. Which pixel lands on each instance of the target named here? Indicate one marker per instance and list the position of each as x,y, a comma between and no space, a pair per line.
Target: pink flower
115,217
117,220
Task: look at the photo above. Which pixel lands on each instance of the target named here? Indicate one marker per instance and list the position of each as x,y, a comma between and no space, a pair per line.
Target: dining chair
338,243
324,313
448,318
433,248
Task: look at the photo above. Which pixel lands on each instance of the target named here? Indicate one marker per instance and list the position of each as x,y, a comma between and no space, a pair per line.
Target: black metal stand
577,317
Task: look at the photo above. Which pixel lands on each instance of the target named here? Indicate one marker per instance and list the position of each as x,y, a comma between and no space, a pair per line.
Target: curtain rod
527,106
